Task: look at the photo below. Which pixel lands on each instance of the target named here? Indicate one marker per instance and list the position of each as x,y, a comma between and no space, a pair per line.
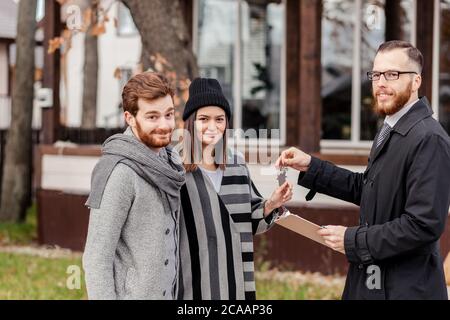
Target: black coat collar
419,111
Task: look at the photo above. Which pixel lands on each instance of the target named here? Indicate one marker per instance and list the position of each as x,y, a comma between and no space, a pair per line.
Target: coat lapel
418,112
378,150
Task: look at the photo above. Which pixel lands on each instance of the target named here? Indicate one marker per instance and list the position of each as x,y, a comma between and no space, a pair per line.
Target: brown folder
301,226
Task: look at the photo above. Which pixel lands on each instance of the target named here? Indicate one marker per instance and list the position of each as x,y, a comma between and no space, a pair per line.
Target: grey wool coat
132,244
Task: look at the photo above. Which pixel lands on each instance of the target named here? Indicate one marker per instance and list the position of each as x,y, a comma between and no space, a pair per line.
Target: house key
281,177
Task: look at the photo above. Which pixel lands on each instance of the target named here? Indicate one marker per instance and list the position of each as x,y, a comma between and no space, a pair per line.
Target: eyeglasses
388,75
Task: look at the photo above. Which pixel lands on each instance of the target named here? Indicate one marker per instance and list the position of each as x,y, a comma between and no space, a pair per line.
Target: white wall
72,174
4,101
3,69
5,98
114,52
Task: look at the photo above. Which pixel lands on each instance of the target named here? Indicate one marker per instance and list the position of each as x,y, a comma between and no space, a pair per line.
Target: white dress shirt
393,119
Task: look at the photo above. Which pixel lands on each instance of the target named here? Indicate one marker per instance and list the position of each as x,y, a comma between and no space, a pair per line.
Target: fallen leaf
117,73
54,44
98,29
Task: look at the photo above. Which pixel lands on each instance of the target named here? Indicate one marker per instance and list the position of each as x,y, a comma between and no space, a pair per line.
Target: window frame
237,81
355,141
435,82
119,33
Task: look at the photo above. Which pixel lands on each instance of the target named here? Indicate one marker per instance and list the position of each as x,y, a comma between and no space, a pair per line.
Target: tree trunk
90,80
163,31
16,184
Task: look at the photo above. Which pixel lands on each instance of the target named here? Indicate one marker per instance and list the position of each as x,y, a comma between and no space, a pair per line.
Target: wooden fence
75,135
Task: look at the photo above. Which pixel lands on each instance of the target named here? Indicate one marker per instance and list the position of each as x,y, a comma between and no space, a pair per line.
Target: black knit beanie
205,92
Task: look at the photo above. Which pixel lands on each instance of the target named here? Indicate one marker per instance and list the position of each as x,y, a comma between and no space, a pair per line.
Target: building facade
296,67
300,66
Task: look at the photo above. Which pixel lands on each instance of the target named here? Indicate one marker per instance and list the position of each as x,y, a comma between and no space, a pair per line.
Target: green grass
20,233
278,290
26,277
275,290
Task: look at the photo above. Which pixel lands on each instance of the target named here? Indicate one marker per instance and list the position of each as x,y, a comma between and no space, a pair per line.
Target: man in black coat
404,194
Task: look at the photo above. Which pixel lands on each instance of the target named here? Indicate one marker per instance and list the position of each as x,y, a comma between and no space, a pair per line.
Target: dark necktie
384,132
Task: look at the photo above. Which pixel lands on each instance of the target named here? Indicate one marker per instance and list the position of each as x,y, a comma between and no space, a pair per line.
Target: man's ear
130,119
417,83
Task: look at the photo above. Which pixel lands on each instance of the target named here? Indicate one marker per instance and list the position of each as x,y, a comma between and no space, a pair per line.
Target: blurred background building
296,66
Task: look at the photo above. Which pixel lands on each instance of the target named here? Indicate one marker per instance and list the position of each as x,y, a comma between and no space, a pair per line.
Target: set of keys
281,177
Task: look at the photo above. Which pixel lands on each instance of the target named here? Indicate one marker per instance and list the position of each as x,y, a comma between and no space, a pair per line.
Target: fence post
2,155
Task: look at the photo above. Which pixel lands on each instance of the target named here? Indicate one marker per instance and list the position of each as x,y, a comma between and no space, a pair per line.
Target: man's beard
151,140
400,99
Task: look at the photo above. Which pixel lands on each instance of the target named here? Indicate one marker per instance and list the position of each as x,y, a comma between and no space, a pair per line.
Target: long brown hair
189,154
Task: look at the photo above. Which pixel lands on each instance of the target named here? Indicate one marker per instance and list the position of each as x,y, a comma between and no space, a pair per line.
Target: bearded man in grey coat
132,244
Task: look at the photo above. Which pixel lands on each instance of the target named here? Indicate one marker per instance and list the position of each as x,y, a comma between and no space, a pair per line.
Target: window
351,34
125,23
40,10
241,43
125,74
386,19
444,66
217,30
337,62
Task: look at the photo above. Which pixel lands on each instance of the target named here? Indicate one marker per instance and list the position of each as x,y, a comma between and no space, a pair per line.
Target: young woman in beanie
221,208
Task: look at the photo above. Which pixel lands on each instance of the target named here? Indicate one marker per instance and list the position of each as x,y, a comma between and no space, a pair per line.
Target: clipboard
301,226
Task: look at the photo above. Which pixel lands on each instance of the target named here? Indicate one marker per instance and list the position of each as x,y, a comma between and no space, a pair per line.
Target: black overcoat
404,197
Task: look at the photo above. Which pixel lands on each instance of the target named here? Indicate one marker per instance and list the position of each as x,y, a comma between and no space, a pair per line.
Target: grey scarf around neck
164,171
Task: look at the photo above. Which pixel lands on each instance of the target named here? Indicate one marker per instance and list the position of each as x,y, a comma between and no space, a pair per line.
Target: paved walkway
52,252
